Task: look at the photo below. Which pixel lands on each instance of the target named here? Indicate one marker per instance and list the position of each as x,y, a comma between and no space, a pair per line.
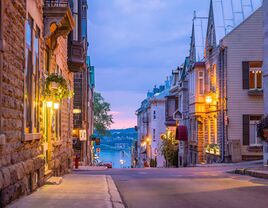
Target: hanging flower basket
262,129
56,88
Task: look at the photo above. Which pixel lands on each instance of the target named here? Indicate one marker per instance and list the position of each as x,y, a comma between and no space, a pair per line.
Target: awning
182,133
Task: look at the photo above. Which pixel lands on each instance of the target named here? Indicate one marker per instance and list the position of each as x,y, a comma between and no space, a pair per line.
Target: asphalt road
199,187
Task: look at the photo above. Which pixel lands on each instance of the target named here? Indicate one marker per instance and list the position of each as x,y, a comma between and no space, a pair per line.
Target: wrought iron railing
56,3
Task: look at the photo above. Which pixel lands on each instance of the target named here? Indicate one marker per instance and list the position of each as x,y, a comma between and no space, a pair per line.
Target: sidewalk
258,172
255,163
75,191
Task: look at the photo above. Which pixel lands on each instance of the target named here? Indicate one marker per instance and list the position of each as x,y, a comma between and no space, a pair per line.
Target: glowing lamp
148,139
208,99
56,106
49,104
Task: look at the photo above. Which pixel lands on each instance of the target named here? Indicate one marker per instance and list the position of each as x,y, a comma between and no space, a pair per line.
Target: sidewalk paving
76,190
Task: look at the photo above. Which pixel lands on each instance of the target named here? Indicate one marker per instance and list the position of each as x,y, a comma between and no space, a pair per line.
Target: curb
114,193
252,173
89,169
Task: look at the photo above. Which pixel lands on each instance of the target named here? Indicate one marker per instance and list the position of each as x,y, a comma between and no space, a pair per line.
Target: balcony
58,21
77,56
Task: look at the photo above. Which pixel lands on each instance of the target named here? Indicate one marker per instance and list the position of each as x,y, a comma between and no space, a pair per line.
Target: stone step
54,181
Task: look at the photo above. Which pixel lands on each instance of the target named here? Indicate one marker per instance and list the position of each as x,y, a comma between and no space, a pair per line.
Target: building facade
35,132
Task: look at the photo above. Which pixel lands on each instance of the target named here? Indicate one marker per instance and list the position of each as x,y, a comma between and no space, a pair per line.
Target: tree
102,119
169,149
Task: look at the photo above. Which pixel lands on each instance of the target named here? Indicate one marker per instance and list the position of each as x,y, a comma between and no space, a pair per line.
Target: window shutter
245,73
245,132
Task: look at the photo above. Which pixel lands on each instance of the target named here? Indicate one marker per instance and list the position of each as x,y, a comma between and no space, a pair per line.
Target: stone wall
22,163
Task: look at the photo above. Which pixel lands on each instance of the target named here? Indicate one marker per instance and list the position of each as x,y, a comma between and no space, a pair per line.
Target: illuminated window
31,77
255,75
213,78
56,123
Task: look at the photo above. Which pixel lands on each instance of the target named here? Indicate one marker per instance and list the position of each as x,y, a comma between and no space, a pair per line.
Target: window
201,82
1,24
213,78
56,123
31,77
255,75
154,135
181,103
75,15
253,138
154,115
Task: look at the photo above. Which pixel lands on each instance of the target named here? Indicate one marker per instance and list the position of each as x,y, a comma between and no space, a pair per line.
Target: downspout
222,97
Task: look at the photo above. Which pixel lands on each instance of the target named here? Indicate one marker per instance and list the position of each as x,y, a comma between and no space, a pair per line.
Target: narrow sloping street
190,187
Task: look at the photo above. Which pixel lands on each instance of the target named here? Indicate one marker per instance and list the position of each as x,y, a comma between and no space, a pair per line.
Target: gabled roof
185,69
225,15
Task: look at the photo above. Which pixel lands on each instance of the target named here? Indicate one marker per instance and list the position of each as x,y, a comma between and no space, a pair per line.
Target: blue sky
134,45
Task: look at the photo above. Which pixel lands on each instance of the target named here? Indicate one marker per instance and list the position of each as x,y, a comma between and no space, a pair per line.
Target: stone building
83,94
35,134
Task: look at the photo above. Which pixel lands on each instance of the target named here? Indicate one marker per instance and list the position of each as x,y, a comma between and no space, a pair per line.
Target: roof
230,13
198,37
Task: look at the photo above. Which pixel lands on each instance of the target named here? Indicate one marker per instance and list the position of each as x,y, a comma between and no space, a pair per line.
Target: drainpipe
265,72
222,80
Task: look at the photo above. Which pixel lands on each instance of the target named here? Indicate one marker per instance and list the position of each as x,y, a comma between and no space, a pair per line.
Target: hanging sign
82,135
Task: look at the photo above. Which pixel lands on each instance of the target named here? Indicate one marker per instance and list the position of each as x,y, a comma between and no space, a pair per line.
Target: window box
255,92
32,136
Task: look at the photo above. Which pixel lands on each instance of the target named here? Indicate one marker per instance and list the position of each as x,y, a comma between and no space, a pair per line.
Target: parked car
107,164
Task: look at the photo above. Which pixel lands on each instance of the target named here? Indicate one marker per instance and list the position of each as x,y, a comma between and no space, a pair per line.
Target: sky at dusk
134,45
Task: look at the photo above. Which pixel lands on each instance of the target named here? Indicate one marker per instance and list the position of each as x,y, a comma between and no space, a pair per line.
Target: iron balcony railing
56,3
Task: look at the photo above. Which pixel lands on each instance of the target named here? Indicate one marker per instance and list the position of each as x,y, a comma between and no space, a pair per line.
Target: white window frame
201,82
255,71
256,143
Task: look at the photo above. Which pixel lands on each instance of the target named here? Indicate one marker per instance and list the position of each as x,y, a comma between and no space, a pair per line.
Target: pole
265,73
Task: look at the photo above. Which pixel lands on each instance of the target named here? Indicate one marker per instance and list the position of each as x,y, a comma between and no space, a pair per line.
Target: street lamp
56,106
148,140
49,104
209,100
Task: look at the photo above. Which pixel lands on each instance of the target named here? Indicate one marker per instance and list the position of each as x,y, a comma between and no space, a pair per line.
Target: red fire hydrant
76,162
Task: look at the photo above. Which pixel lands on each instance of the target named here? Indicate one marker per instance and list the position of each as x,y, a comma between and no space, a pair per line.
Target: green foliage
102,119
261,126
213,149
60,91
169,149
153,163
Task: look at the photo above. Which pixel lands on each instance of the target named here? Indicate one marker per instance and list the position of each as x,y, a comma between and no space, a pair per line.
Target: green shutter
246,119
245,74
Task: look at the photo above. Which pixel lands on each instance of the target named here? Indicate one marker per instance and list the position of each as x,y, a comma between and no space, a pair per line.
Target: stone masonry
22,163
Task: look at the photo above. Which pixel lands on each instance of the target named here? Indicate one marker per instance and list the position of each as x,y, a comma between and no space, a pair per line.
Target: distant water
114,156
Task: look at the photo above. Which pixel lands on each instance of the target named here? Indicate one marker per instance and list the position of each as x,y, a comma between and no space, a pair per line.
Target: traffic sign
98,150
